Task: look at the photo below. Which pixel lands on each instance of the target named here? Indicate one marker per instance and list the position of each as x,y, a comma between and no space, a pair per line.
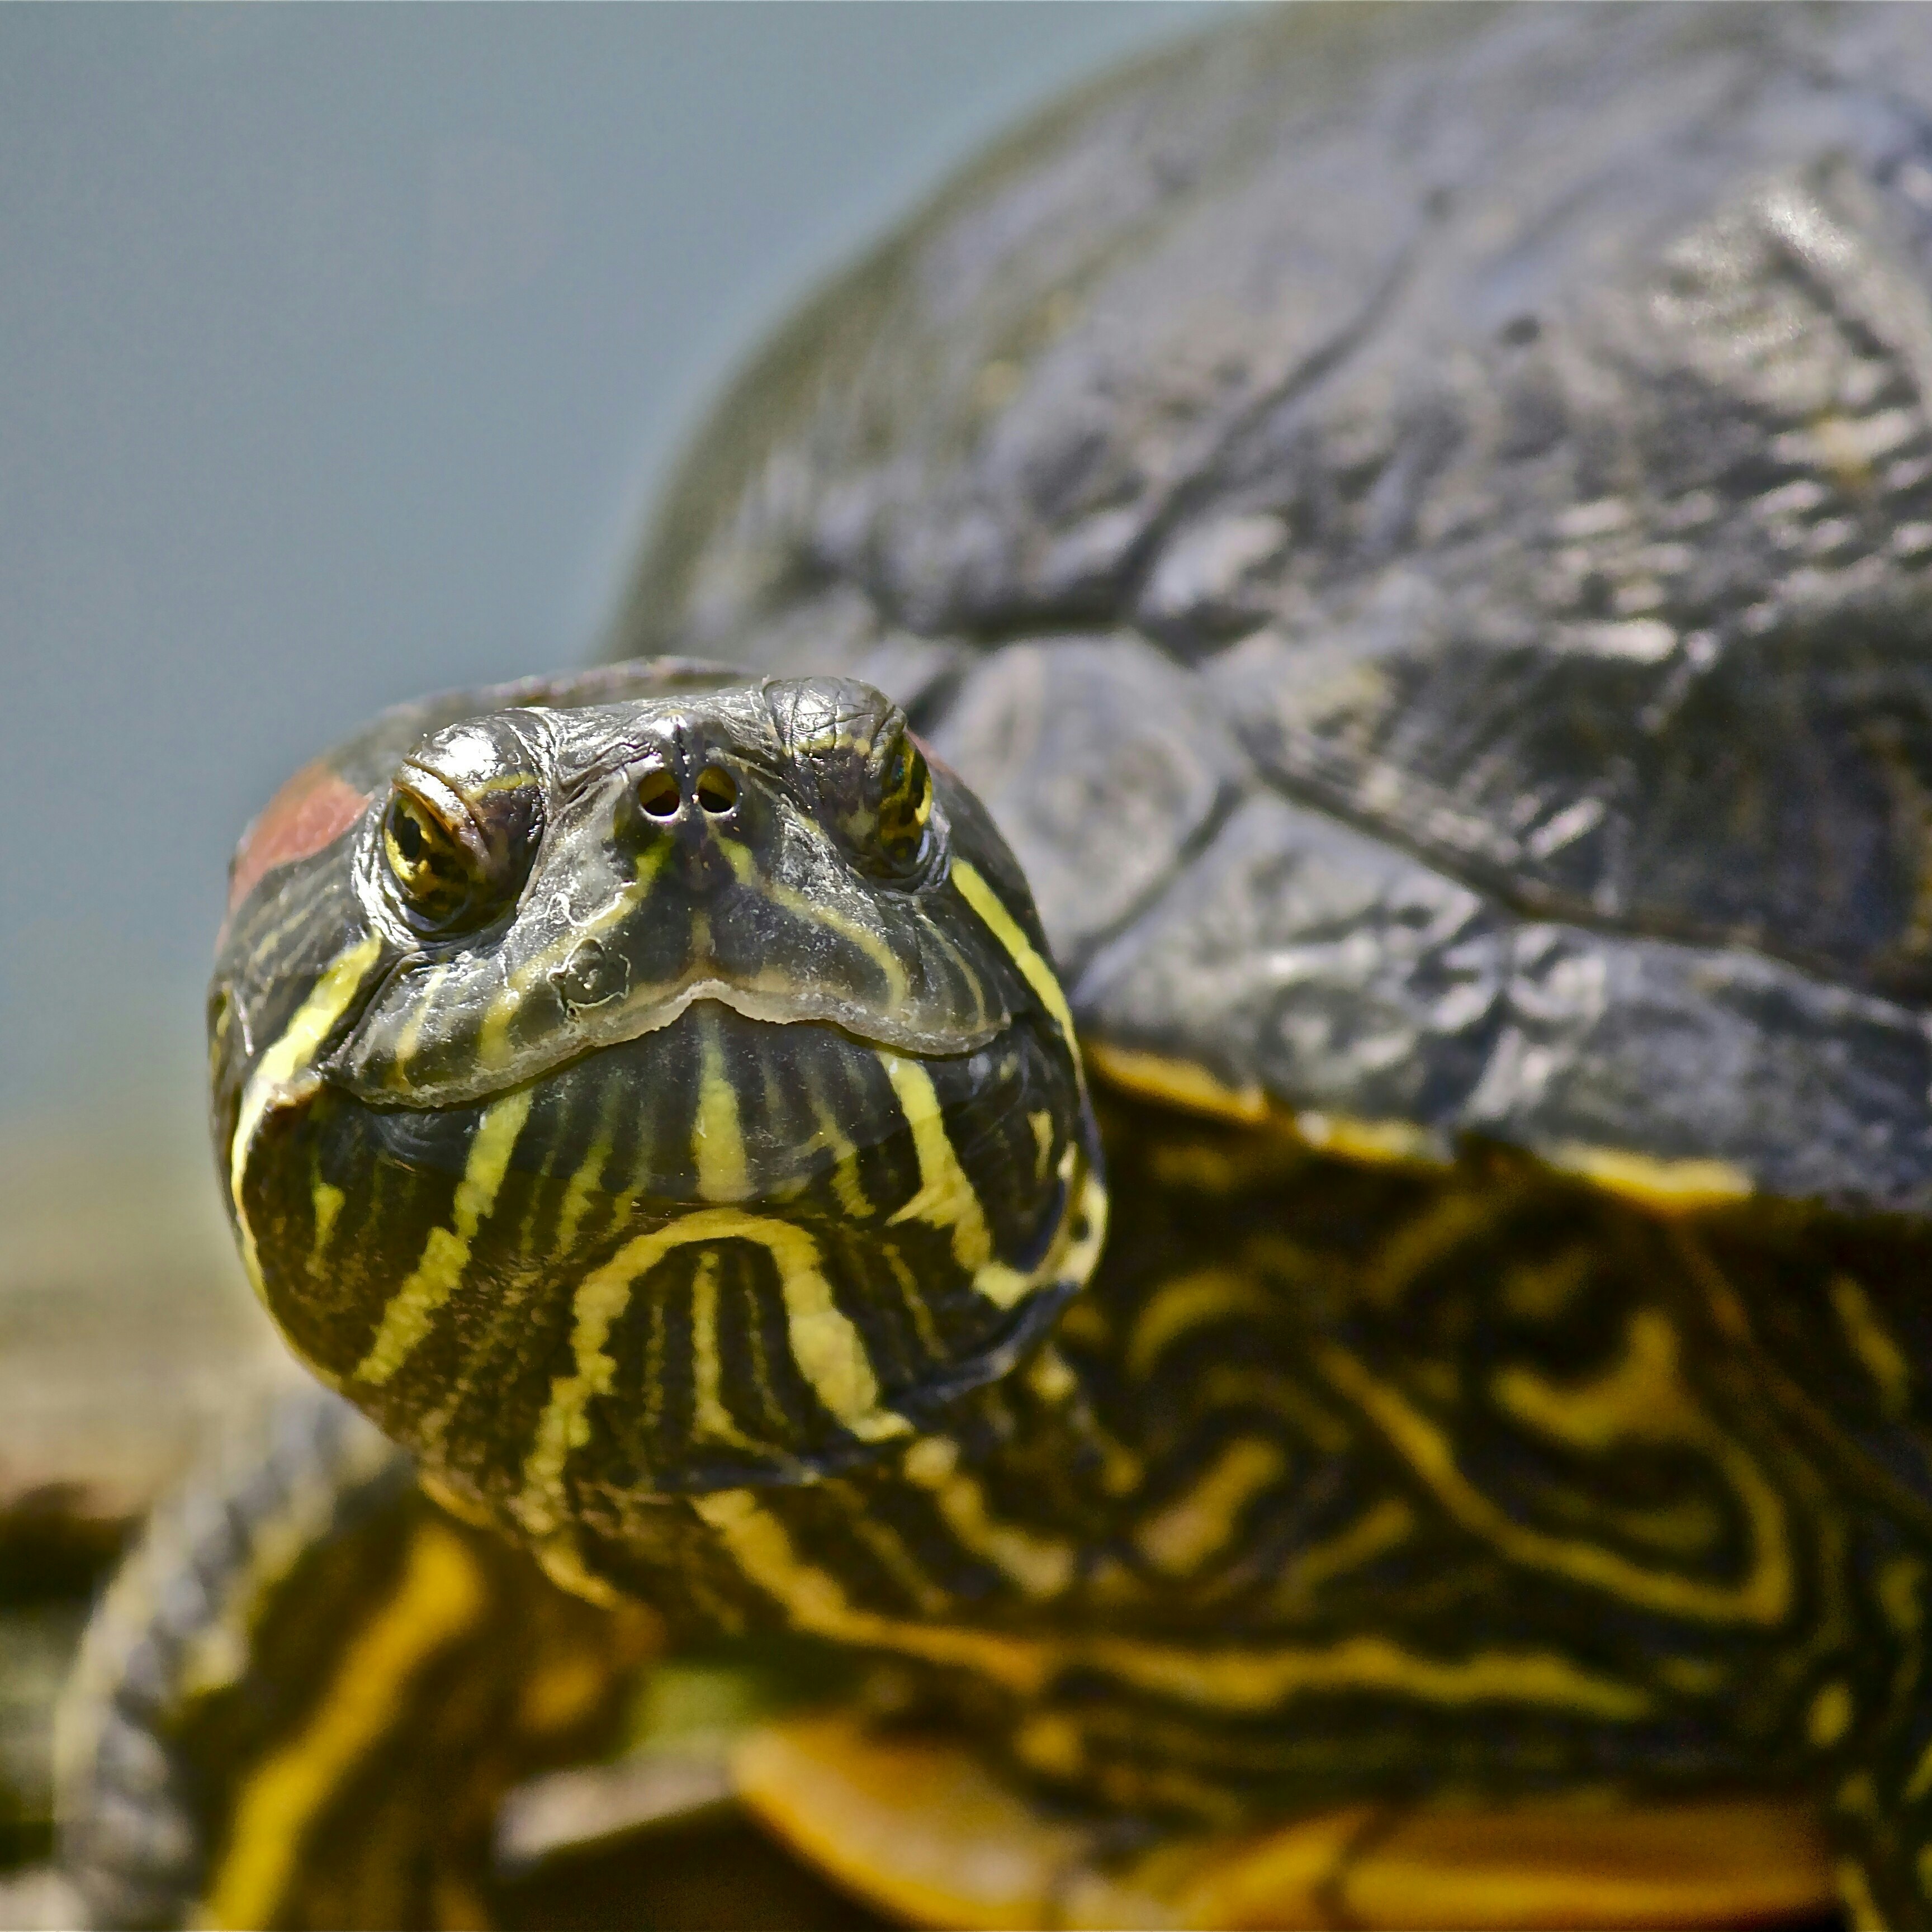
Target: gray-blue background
340,350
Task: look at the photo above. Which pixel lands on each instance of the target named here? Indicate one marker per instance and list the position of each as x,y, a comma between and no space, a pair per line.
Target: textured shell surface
1415,521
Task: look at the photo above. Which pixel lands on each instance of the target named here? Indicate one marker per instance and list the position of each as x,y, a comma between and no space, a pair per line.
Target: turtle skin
1411,525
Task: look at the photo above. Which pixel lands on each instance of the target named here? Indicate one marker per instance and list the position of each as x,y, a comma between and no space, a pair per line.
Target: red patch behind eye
314,807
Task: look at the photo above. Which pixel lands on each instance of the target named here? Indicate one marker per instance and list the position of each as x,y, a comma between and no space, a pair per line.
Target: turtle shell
1417,521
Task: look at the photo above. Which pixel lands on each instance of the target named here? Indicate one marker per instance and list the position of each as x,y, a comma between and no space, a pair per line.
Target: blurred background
340,351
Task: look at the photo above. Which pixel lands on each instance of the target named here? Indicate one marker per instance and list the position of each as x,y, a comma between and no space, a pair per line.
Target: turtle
1208,1060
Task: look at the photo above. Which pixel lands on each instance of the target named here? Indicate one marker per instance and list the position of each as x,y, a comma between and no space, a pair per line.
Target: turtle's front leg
304,1695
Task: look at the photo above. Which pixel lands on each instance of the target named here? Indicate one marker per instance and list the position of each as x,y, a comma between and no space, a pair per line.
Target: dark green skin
1447,497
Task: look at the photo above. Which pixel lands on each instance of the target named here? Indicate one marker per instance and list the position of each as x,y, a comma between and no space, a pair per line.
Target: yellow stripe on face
406,1319
830,1354
914,1300
1081,1254
846,1184
564,1425
1001,924
717,1140
946,1198
579,1192
440,1597
813,912
585,1180
1075,1249
828,1349
425,998
272,1083
327,1202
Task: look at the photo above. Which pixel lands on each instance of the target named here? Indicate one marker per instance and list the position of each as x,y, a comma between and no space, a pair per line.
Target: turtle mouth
452,1030
413,1045
775,1000
796,1005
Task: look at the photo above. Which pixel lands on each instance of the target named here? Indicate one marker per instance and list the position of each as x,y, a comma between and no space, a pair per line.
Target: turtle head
649,1082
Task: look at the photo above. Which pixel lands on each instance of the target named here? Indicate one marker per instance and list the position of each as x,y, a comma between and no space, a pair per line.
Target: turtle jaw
726,1252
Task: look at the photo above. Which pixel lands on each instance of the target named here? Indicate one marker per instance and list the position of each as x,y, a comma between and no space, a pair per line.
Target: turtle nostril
717,791
657,792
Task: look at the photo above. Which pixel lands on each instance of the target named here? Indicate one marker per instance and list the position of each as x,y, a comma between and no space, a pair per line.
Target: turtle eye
905,803
459,833
435,869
